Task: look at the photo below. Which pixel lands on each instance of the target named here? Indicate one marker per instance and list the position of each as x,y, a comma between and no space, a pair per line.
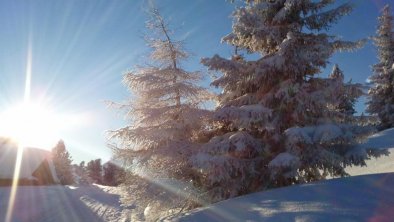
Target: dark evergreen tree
347,96
94,170
113,175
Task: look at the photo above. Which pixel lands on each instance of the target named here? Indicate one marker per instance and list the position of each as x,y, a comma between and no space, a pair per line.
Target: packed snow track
60,203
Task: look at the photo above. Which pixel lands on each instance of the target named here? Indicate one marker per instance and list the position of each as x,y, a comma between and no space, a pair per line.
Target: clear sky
79,49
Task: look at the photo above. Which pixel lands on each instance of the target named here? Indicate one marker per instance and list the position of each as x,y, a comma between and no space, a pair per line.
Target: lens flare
14,187
19,155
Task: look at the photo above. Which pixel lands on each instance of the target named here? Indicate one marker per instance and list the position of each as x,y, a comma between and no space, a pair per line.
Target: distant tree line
108,174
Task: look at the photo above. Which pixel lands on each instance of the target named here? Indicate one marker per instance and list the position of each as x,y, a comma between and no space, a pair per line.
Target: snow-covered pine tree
381,95
347,92
165,117
62,162
276,124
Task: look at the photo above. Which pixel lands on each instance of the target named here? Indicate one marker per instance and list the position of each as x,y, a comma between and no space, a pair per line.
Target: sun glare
31,125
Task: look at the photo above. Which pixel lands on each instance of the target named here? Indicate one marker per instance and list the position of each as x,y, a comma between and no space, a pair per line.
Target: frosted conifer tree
347,92
276,124
165,117
381,94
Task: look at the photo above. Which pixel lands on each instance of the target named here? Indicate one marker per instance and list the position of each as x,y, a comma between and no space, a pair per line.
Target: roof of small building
31,160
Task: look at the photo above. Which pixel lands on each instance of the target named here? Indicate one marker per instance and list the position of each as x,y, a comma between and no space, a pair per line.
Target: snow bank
384,164
361,198
357,198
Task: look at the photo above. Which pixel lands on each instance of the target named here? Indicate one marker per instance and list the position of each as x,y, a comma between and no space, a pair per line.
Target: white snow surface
316,134
384,164
284,160
359,198
355,198
63,204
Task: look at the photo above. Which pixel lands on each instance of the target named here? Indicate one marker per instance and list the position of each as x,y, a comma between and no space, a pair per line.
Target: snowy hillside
357,198
360,198
384,164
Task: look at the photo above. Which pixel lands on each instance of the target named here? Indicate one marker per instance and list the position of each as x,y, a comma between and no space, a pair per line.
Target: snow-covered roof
31,160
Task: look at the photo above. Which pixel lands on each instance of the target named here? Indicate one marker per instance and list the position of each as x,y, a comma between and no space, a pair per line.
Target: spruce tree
276,123
62,162
347,94
381,95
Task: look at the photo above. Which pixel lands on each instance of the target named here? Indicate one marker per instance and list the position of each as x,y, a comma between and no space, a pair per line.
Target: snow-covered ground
384,164
357,198
61,203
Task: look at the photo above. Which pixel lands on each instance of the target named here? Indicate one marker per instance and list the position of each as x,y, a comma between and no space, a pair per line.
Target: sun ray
14,186
28,75
18,162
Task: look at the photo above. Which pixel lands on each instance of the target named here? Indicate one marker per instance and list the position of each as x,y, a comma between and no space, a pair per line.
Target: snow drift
360,198
356,198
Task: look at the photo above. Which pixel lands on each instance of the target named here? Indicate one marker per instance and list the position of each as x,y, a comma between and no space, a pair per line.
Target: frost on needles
279,122
165,117
381,95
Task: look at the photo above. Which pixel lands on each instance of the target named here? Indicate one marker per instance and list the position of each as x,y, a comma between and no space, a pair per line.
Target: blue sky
80,49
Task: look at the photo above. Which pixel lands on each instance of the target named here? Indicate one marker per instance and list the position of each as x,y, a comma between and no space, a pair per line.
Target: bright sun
31,125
